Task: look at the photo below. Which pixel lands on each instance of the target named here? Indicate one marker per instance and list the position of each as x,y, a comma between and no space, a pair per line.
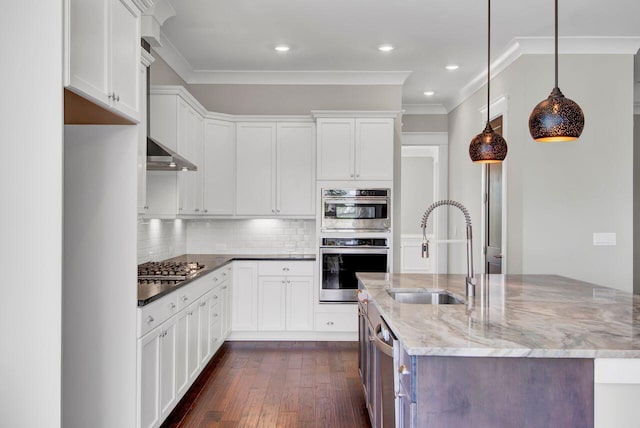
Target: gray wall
636,204
425,123
558,194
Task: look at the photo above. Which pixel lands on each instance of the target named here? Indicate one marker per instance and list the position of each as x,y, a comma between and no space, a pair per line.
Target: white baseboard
323,336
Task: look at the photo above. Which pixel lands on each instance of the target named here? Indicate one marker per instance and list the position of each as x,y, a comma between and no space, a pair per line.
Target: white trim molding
154,18
542,46
354,113
146,58
423,109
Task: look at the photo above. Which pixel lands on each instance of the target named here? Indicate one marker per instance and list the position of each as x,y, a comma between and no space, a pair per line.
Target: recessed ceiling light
282,48
429,93
452,67
385,48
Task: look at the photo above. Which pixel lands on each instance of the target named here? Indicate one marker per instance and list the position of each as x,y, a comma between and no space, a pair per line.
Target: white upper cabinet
176,124
102,53
219,167
296,164
275,169
355,149
256,172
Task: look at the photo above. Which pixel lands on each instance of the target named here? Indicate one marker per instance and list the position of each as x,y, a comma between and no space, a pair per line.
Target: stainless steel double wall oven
354,228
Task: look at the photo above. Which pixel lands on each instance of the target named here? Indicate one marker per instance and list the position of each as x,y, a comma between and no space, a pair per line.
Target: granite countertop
147,293
541,316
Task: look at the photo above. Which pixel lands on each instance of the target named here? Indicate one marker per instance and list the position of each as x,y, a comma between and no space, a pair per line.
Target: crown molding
545,45
272,118
293,77
179,91
146,58
333,114
173,58
423,109
143,5
153,19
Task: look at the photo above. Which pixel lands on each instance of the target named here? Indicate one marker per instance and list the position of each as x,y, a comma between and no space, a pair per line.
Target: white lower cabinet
173,354
282,292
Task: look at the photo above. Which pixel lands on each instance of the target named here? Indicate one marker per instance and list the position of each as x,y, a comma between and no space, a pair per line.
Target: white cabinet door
219,167
296,178
185,118
256,173
244,301
102,53
193,342
149,351
168,343
204,324
125,57
182,349
225,308
299,303
374,149
87,57
271,303
335,149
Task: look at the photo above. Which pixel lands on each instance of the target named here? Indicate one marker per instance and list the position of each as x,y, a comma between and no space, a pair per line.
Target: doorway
493,211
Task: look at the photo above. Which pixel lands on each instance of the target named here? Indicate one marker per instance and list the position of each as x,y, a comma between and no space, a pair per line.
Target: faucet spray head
425,249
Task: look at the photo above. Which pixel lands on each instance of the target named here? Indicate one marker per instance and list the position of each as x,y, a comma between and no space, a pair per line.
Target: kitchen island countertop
147,293
541,316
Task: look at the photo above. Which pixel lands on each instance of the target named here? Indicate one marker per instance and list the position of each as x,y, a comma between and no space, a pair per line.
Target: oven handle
351,250
353,201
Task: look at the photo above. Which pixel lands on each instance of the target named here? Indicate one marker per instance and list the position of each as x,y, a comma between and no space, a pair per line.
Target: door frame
499,107
436,146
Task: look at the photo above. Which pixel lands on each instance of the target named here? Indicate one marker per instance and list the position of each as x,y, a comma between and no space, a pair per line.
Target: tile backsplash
251,236
163,239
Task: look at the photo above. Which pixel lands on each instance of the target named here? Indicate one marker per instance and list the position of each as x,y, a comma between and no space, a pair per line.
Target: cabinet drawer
152,315
286,268
218,276
190,292
336,321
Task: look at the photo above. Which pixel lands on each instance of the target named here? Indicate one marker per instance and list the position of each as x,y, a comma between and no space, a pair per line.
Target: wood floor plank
276,384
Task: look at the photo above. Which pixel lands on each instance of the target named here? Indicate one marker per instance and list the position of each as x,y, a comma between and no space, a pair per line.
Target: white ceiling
210,38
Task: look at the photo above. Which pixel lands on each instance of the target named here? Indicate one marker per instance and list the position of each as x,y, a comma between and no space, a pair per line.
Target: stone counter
541,316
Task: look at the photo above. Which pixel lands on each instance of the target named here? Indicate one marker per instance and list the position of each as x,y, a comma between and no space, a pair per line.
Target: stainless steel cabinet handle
117,97
283,281
351,175
286,269
329,322
203,304
197,210
206,210
185,298
172,305
180,209
150,319
400,395
224,288
288,282
111,96
215,297
190,313
146,207
357,175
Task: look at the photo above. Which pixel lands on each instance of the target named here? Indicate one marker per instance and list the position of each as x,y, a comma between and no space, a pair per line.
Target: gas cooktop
151,272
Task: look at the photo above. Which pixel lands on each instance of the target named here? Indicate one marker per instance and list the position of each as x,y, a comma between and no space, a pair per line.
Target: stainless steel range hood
161,158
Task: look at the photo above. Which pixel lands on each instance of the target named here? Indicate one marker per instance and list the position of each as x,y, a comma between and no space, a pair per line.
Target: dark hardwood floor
276,384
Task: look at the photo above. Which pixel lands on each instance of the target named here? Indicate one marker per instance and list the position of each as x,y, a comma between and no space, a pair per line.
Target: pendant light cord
489,56
556,43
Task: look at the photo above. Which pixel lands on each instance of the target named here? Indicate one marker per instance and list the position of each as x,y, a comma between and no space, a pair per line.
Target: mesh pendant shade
488,147
556,119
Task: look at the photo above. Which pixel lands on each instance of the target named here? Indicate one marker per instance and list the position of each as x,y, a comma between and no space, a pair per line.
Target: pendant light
488,146
557,118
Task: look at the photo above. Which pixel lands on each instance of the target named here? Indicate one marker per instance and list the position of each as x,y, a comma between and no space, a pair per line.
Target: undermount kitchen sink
423,296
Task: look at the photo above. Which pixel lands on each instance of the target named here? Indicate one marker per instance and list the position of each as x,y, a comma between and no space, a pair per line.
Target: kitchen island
525,351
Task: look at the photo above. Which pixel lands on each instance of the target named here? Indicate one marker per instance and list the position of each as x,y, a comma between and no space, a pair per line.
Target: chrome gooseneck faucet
470,280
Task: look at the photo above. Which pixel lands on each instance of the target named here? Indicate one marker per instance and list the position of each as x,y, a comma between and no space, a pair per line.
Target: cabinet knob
273,211
197,210
202,304
150,319
351,175
403,370
179,209
172,306
185,298
224,288
215,315
116,97
206,210
278,211
215,279
146,207
190,313
357,175
288,282
329,322
111,96
215,297
224,274
286,269
400,395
